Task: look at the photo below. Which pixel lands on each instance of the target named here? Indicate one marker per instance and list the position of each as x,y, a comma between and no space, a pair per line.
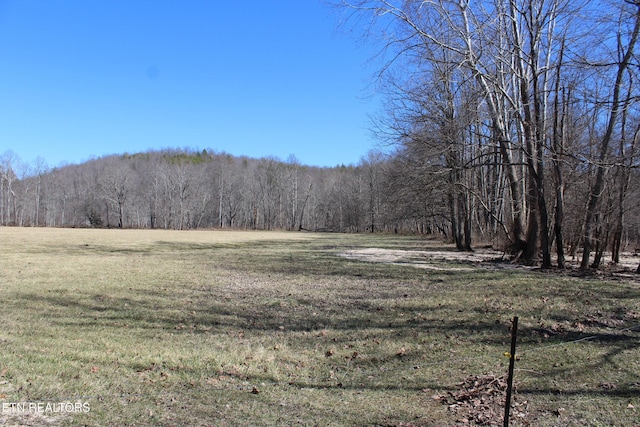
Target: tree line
527,110
188,189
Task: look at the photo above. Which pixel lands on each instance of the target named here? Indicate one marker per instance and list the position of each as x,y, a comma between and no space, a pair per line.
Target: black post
512,361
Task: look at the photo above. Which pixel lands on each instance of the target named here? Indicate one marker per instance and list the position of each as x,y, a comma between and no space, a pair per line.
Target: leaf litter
480,401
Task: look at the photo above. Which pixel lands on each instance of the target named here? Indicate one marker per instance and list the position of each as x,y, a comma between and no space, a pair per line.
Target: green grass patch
170,328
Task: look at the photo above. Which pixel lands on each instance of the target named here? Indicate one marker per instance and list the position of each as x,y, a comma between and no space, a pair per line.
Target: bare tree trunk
557,151
625,163
596,192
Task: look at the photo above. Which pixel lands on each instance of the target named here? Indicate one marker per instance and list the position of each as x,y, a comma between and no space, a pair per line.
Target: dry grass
252,328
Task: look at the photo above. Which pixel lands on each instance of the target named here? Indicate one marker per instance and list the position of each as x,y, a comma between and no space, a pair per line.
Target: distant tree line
188,189
409,191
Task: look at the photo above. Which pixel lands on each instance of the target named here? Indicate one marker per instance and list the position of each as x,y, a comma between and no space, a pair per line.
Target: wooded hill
407,192
187,189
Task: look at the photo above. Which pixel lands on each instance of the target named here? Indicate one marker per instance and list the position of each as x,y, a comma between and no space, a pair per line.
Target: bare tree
625,52
8,162
483,40
115,184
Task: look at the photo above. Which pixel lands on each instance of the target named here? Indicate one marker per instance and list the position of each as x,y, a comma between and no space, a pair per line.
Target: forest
514,124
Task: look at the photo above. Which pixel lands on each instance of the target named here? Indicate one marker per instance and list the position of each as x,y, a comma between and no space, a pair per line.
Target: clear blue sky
87,78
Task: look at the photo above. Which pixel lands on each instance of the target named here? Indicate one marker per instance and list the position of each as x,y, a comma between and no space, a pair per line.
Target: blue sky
87,78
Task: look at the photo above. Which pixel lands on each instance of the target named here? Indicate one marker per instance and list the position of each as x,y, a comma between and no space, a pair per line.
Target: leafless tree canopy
530,107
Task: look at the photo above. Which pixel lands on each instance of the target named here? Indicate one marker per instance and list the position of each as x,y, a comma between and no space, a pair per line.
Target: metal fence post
512,360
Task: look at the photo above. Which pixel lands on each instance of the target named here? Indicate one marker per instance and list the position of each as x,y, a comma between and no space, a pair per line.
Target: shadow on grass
145,311
400,301
305,313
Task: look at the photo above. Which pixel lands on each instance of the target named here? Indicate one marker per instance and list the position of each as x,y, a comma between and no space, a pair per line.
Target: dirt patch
486,258
431,260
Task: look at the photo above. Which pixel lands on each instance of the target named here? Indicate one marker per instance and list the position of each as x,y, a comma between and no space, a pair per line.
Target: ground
483,258
166,328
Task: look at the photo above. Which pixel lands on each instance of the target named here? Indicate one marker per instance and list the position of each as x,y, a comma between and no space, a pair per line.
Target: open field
204,328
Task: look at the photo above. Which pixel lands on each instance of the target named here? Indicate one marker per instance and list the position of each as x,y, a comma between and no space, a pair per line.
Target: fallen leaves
480,400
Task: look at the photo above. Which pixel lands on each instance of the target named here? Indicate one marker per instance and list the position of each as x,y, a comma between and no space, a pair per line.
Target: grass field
208,328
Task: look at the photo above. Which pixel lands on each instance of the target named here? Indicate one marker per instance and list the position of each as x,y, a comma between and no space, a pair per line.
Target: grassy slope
242,328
